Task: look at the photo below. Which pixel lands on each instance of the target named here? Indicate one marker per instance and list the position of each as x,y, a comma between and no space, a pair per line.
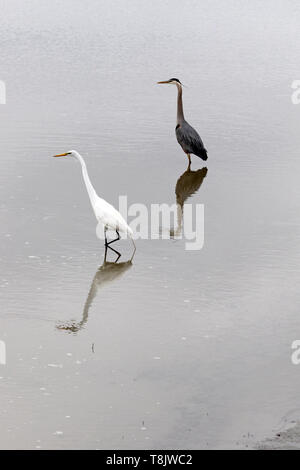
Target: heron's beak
160,83
61,155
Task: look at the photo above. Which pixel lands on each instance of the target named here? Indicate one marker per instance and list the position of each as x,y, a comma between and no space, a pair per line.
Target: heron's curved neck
90,189
180,115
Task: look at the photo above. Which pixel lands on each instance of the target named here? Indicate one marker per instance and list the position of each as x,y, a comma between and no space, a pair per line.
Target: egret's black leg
134,249
116,239
117,252
106,244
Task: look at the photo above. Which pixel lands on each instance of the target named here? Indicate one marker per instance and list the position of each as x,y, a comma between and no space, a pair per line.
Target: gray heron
187,185
187,136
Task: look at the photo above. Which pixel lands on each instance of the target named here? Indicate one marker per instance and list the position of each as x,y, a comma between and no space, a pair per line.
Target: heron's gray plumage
187,137
190,140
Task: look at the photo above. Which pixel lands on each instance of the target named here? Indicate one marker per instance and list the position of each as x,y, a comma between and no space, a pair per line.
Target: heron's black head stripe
175,80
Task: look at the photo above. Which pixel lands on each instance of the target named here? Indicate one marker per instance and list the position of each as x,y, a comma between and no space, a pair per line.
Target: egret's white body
107,216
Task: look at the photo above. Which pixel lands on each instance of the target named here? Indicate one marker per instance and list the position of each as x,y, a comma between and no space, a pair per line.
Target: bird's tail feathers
129,232
203,154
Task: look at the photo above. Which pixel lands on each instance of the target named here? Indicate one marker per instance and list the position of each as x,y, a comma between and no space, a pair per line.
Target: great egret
105,274
106,215
187,137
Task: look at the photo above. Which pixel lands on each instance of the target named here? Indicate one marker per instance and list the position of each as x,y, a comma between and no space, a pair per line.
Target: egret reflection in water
105,274
187,185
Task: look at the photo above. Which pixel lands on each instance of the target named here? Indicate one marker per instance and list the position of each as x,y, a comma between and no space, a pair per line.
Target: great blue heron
106,215
187,137
187,185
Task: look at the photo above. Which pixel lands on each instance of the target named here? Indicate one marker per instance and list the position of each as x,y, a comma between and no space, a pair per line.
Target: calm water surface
180,349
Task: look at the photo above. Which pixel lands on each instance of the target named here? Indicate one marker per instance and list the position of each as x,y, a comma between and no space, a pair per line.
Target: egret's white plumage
107,216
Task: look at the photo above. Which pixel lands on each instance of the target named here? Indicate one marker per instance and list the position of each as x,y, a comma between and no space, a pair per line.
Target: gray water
178,349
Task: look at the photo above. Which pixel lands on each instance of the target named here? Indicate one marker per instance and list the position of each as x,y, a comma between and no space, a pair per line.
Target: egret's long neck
91,192
180,116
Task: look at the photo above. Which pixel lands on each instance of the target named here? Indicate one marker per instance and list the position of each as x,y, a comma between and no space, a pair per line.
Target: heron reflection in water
106,273
187,185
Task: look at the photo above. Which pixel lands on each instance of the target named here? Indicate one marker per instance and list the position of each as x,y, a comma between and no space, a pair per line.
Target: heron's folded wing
189,139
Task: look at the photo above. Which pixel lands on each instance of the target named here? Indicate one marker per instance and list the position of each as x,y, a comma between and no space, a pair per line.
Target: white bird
106,215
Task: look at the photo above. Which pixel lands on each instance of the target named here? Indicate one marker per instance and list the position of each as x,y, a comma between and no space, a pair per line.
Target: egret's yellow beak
159,83
61,155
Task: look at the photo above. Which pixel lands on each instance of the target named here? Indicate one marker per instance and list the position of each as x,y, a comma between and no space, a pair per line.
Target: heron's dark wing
190,140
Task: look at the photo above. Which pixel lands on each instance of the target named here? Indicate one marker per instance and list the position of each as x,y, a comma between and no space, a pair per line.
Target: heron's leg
116,239
189,157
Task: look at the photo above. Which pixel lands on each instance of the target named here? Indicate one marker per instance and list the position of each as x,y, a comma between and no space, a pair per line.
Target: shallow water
180,349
